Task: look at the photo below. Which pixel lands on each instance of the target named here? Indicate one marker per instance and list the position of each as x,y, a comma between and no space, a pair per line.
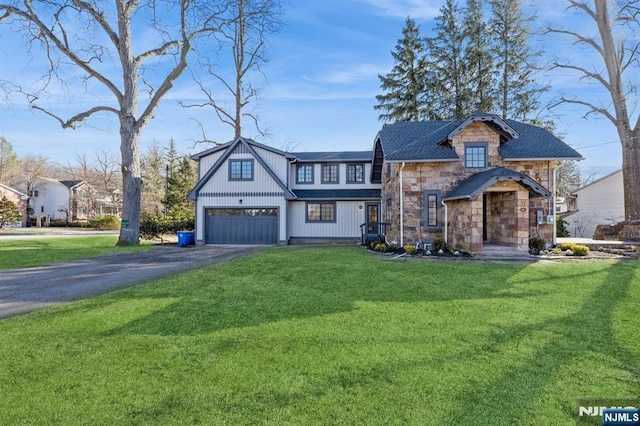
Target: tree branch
71,123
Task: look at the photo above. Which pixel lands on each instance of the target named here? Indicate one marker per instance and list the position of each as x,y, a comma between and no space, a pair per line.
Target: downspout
446,223
401,208
555,228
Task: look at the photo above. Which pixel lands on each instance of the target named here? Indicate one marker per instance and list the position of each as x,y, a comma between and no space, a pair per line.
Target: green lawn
332,336
30,252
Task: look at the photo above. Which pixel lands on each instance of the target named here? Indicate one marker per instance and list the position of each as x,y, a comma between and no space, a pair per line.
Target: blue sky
319,91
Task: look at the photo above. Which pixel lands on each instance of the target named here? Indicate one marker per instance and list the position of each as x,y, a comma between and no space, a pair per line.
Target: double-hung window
321,212
304,173
330,173
241,170
355,173
475,155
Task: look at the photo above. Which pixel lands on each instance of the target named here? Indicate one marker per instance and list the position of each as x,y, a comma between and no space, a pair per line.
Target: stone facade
505,214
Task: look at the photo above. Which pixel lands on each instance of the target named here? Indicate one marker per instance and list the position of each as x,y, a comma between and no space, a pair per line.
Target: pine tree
181,181
404,86
446,58
9,212
153,168
478,62
515,60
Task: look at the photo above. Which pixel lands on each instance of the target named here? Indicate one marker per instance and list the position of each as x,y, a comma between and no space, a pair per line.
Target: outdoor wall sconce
240,201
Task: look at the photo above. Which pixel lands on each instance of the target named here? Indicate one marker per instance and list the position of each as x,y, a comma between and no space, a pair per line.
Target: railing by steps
373,231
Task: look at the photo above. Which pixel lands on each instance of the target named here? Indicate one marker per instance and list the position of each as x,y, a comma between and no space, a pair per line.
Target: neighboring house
599,203
20,199
62,199
249,193
477,181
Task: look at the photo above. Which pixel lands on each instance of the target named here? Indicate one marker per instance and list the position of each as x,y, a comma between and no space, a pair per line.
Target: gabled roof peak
507,130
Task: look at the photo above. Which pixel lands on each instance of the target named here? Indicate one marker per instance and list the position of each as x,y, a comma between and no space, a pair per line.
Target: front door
373,218
484,217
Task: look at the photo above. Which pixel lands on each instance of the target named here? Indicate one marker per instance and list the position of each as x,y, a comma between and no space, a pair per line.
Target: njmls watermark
609,411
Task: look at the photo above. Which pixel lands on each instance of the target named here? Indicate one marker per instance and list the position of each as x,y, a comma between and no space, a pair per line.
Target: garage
241,226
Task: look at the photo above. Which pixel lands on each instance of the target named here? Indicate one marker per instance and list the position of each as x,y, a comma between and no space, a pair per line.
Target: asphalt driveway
26,290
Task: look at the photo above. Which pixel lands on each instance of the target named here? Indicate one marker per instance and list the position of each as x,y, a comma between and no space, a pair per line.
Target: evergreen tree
446,58
9,212
478,61
404,86
518,91
181,181
153,171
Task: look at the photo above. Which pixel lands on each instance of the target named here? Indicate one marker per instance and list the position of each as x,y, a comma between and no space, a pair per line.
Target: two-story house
473,182
60,199
250,193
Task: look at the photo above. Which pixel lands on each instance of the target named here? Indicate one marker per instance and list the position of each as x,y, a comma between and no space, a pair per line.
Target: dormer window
475,155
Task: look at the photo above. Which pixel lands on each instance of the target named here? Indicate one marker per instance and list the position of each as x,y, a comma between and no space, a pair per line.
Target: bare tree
620,56
244,34
97,38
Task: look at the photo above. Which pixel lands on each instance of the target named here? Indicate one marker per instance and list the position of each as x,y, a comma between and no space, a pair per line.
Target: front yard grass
31,252
332,336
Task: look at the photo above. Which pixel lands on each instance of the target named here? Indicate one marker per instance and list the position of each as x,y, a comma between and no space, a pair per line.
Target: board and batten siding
349,217
262,191
207,162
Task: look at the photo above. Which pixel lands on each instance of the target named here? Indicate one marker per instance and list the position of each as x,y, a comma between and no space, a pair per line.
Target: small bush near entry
106,222
536,245
439,244
380,247
373,244
409,249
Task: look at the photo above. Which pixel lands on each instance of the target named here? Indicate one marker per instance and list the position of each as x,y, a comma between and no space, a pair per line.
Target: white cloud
357,73
417,9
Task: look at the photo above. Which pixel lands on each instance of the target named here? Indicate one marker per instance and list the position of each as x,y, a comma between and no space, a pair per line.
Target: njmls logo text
598,411
613,415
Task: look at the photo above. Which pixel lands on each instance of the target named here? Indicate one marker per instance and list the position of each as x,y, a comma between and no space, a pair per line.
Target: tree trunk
131,183
631,173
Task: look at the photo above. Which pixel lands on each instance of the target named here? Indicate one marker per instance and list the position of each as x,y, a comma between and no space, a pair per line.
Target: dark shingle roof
427,141
417,140
70,183
319,157
536,143
337,194
476,184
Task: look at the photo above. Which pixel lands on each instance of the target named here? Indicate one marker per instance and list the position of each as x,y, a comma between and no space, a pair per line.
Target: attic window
475,155
241,170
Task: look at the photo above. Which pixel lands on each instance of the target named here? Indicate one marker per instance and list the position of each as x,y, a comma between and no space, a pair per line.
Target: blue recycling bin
186,238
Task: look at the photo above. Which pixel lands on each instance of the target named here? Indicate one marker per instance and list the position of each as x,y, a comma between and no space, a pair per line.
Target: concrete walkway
26,290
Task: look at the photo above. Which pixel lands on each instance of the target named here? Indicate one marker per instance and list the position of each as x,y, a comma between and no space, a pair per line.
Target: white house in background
598,203
249,193
61,199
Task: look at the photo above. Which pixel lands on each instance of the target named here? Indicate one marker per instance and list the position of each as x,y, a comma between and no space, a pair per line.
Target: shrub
380,247
536,245
373,244
579,250
155,227
439,244
106,222
392,248
565,246
410,250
